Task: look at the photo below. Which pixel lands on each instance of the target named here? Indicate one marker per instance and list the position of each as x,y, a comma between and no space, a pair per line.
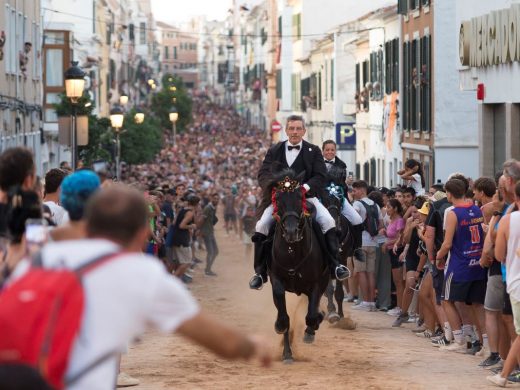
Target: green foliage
64,107
162,102
140,143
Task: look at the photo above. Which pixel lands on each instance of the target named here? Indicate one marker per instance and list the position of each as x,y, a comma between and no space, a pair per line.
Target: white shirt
368,240
291,155
122,298
416,184
513,257
60,216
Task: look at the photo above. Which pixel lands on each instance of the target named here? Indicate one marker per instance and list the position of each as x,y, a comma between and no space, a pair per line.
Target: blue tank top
468,242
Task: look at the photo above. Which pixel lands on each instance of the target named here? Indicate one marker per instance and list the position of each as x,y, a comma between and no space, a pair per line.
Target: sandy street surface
373,356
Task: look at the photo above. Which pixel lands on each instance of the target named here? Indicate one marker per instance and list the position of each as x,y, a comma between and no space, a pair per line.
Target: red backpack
40,317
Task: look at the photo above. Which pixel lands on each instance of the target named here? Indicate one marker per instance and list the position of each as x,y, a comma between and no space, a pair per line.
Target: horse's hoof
308,338
333,317
288,360
279,330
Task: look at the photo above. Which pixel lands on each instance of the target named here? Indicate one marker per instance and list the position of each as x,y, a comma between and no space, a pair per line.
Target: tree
140,143
172,89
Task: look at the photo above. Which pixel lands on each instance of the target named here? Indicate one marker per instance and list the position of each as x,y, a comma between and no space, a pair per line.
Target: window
36,45
296,91
425,3
415,88
278,84
142,33
175,52
131,32
425,84
166,54
279,25
297,26
376,74
392,66
11,53
305,92
54,68
326,97
402,7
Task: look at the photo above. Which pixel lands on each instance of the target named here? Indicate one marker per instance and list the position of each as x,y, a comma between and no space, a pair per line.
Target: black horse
297,264
332,199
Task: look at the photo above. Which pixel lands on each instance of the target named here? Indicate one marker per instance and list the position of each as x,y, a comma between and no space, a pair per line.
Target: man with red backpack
122,292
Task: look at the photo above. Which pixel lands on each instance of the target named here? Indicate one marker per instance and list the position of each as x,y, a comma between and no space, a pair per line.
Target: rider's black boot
260,276
357,234
339,271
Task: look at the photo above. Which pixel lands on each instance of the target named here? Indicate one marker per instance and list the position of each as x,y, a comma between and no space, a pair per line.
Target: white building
490,64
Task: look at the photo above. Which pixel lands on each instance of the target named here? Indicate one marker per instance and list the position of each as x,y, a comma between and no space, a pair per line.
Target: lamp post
74,86
174,115
116,120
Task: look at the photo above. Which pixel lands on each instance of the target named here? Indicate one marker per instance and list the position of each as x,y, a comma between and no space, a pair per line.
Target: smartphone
36,234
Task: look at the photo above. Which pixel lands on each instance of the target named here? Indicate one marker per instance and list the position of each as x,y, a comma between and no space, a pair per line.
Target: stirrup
341,266
261,278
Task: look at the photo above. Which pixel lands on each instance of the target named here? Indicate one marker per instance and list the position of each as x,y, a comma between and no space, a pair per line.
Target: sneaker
498,368
492,361
440,342
125,380
412,319
395,312
454,347
474,348
484,352
362,306
419,329
348,298
186,279
197,261
497,380
426,334
514,377
400,320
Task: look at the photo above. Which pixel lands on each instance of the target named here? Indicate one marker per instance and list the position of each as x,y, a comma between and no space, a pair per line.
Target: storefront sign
491,39
346,136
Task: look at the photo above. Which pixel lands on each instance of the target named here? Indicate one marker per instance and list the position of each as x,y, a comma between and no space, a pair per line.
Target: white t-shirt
60,216
368,240
416,184
122,298
513,257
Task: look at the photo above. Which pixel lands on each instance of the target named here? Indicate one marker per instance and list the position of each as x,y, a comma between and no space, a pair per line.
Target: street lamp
174,115
116,120
139,117
123,99
74,86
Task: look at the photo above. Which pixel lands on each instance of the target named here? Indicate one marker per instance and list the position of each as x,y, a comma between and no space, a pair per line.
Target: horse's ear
301,177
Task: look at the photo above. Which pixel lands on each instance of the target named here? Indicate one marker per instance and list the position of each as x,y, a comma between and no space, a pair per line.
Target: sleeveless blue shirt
468,242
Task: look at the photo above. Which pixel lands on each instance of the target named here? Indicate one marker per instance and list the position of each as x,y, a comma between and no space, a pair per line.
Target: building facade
21,78
489,69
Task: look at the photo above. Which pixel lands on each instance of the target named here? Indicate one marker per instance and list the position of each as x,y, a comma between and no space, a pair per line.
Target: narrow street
373,356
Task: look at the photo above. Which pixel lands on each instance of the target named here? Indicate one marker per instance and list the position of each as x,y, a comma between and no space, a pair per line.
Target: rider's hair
292,118
328,142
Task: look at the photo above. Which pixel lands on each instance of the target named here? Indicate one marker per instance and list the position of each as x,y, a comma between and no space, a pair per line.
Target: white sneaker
484,352
454,347
395,312
497,380
362,306
125,380
412,319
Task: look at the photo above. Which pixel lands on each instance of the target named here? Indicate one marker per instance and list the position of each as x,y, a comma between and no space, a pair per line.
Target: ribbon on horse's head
288,185
336,191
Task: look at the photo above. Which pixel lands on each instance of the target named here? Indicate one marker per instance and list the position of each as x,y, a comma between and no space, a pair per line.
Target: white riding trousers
350,213
323,217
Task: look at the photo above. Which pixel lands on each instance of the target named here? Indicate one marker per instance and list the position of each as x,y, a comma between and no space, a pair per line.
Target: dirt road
374,356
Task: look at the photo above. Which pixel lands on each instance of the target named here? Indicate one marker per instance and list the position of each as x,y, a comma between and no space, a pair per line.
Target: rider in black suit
300,156
332,160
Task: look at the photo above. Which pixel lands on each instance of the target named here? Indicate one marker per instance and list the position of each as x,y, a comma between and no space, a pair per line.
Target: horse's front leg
314,316
339,294
282,323
332,315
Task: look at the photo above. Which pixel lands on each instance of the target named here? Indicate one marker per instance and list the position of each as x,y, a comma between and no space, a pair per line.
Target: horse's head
288,199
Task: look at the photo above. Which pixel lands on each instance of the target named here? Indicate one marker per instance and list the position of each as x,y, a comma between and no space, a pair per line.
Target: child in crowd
413,176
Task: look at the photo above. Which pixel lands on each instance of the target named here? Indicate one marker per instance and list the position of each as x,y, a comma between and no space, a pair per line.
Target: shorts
412,263
515,305
438,283
507,310
467,292
494,293
230,217
183,254
369,265
394,258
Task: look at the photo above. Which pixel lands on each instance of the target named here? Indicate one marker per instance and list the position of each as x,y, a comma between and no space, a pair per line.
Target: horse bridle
299,229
